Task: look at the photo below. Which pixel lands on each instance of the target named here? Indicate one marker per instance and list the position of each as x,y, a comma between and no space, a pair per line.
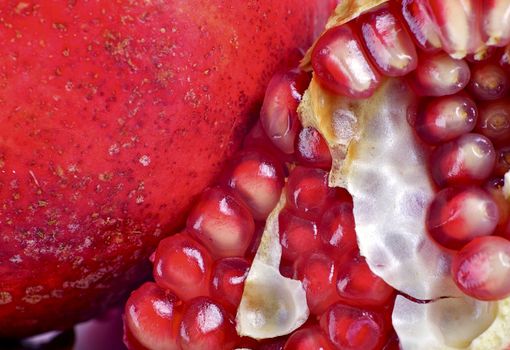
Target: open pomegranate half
370,205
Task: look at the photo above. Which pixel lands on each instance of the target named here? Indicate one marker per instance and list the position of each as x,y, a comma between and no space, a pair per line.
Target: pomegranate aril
467,160
308,191
488,82
502,161
496,16
310,338
358,286
258,180
495,188
494,122
504,60
312,150
352,328
420,24
278,115
227,282
318,272
439,75
388,42
222,223
337,228
446,118
458,23
482,270
152,318
206,325
456,216
183,266
298,236
341,64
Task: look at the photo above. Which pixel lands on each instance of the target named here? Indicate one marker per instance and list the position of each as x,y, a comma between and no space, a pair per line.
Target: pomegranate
370,209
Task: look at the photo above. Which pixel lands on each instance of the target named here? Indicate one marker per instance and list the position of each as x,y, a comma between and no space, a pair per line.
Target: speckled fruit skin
114,114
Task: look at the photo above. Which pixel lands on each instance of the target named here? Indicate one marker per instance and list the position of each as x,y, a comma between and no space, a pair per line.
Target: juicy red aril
222,223
388,42
278,115
467,160
206,325
318,272
308,191
496,30
341,65
258,180
494,122
357,285
227,282
310,338
418,20
183,266
494,188
439,75
446,118
152,318
457,216
351,328
298,236
312,149
504,60
337,228
502,162
488,82
482,269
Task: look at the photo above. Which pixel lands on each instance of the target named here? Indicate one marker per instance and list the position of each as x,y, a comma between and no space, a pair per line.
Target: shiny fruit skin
102,102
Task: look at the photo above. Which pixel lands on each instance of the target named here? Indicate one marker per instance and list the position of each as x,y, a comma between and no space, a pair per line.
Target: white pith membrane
272,305
506,186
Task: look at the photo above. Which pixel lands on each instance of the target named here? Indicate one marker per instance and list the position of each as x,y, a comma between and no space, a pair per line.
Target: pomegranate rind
377,158
271,305
448,324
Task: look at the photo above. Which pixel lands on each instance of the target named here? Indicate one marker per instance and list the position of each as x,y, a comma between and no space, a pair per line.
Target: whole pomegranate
114,115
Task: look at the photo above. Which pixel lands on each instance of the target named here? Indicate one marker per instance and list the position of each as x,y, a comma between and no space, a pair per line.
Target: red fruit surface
102,103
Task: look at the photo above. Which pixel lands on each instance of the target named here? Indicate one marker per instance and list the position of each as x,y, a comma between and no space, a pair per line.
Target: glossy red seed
504,60
183,266
388,42
494,187
152,318
458,215
258,180
222,223
318,272
482,269
488,82
445,118
358,286
310,338
337,229
352,328
502,161
278,115
420,24
308,192
341,64
206,325
439,75
494,122
312,150
298,236
227,282
467,160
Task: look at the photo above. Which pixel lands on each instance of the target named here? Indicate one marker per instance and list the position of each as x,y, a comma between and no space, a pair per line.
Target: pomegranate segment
206,325
494,122
388,42
227,281
420,24
298,236
482,269
341,65
152,317
488,82
312,150
337,229
307,339
502,162
182,266
222,223
445,118
467,160
439,75
457,216
496,16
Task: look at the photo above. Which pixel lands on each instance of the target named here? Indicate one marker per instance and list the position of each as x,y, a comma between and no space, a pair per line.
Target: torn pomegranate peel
402,220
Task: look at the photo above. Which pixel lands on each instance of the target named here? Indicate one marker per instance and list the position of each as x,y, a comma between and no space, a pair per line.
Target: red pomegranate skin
114,115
